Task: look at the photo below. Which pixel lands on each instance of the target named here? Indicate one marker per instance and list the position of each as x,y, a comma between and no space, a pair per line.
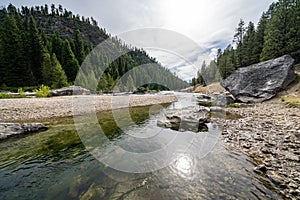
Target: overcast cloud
209,23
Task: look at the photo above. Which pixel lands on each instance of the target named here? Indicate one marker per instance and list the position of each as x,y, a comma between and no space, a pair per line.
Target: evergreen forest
48,44
277,33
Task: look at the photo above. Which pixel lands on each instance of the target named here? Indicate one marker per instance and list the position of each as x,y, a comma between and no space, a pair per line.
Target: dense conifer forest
47,45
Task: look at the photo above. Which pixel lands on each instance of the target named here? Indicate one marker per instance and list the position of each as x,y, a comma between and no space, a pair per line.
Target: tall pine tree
79,47
53,73
69,62
35,51
259,38
14,63
277,31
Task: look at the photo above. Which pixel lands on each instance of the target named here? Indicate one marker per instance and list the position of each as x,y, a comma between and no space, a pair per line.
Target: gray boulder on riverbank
11,129
262,81
72,90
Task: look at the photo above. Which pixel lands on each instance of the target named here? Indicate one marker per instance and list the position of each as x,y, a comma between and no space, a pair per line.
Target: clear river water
56,164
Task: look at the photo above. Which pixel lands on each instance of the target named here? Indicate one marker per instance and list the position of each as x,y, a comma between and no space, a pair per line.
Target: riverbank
34,109
269,133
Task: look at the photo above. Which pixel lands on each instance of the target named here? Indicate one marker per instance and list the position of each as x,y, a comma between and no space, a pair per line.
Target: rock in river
262,81
11,129
221,100
187,119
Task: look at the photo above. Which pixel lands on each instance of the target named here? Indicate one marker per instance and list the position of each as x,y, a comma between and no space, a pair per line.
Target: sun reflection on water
184,166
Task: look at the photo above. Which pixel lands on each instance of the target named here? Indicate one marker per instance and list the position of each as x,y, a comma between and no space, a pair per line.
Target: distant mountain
47,44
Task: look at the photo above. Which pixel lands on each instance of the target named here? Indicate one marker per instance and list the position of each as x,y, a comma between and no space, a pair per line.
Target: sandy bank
30,109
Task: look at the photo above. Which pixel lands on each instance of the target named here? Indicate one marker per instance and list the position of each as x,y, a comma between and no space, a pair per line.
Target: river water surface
57,165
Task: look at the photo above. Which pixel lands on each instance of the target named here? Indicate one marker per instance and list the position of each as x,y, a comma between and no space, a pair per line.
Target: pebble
269,133
32,109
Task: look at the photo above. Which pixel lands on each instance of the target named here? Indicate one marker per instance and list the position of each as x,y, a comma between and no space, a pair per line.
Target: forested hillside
277,34
47,45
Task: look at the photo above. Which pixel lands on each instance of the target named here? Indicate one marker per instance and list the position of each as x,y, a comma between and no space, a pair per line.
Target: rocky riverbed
35,109
268,132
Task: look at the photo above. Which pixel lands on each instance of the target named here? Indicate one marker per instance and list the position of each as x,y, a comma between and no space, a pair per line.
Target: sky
204,24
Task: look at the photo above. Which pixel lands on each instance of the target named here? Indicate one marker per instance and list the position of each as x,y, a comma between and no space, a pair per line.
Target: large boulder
262,81
11,129
187,119
72,90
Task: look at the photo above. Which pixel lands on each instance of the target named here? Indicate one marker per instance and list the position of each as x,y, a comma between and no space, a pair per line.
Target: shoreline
42,109
269,133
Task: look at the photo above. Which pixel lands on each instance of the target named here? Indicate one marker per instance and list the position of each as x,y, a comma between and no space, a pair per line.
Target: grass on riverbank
291,100
11,96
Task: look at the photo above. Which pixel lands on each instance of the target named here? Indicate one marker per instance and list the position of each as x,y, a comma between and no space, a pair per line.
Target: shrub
21,93
43,91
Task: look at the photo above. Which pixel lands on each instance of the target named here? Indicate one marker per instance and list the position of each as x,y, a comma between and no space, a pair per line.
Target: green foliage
130,84
69,62
11,96
35,50
31,36
106,83
226,62
207,75
13,54
233,105
16,89
21,93
53,73
43,91
79,47
277,33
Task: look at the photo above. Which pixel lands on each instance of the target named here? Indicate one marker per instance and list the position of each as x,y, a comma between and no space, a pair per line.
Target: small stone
276,179
293,185
260,168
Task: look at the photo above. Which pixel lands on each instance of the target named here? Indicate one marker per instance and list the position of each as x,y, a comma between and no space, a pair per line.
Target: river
154,163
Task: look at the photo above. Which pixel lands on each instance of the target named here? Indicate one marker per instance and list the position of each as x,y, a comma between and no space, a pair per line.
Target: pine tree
259,38
277,31
226,62
59,76
47,69
57,45
79,47
2,66
69,62
130,83
16,73
240,31
35,51
102,84
238,39
53,73
248,46
294,32
106,83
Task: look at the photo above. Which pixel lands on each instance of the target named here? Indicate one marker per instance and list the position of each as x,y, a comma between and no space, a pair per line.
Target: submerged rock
11,129
262,81
188,119
220,100
72,90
